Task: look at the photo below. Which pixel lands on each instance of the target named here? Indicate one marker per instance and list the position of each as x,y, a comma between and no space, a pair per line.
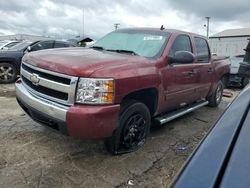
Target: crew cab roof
143,29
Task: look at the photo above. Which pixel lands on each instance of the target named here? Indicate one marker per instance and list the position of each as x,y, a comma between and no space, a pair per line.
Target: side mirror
29,49
183,57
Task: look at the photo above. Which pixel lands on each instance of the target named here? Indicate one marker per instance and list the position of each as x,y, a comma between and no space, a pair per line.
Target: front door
179,80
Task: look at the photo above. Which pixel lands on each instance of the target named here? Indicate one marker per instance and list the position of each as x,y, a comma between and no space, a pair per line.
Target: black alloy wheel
134,132
134,125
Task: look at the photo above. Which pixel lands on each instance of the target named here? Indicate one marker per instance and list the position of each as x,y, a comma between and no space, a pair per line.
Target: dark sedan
10,60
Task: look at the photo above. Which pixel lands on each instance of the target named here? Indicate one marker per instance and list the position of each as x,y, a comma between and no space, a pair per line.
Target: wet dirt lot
34,156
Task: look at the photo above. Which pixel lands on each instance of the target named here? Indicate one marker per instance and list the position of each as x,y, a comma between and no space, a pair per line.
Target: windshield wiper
124,51
97,47
117,50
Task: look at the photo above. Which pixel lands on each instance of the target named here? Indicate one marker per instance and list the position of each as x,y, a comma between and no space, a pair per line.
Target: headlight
95,91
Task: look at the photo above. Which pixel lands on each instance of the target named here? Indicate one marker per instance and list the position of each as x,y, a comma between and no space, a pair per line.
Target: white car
5,45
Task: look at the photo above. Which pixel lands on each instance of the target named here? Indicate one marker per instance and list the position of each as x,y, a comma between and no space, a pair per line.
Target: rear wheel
8,73
244,82
134,124
215,99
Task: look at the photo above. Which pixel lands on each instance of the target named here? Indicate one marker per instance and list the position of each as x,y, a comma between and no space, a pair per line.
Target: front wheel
215,99
134,124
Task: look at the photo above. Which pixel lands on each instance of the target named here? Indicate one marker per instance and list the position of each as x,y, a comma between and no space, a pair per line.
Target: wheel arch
147,96
11,61
225,79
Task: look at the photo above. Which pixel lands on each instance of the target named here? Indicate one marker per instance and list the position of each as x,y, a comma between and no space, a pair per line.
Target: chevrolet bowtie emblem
34,78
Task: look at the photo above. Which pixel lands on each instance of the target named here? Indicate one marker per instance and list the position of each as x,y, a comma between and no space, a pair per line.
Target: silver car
5,45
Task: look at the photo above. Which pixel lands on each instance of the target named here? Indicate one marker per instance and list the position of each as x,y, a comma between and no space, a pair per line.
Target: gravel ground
34,156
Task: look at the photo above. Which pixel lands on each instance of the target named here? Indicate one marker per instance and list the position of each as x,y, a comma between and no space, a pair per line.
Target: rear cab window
202,50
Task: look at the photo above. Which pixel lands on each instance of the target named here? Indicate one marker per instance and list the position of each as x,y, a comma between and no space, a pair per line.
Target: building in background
21,37
230,42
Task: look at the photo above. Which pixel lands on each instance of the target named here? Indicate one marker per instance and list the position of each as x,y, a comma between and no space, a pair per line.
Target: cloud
224,10
64,18
224,14
17,6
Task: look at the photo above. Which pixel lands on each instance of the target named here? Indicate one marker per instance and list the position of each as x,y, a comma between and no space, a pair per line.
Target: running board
173,115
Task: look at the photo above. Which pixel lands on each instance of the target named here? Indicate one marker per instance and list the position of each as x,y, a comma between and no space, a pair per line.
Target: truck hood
81,62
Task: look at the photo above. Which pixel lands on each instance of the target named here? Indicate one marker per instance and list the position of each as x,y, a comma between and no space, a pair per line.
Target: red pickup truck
114,89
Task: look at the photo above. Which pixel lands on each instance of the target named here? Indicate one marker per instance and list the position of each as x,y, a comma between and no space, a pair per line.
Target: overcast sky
64,18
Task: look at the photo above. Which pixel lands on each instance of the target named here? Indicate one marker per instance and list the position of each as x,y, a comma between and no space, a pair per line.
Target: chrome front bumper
44,106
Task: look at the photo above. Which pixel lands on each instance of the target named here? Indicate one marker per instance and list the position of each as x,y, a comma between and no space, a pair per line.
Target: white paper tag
152,37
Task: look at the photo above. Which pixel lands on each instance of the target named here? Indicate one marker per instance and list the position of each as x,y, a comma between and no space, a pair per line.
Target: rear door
203,63
179,80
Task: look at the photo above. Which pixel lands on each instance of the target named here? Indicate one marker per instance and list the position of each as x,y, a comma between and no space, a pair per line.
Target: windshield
21,46
11,44
144,43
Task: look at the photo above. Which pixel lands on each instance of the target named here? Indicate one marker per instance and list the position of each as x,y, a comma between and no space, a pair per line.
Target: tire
8,73
244,82
134,125
215,99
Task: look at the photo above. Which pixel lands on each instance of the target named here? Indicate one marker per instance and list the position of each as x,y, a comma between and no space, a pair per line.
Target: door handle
192,73
210,70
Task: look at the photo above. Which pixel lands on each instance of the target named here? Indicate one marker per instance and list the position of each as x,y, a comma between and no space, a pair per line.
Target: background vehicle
10,60
5,45
224,153
235,79
222,159
113,89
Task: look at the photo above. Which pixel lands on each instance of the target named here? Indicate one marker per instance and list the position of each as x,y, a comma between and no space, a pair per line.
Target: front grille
46,91
48,76
50,85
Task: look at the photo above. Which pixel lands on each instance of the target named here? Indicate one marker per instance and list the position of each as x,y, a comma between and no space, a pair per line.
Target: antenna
83,23
116,25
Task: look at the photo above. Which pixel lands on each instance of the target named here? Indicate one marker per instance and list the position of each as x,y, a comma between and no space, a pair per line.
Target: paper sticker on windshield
152,38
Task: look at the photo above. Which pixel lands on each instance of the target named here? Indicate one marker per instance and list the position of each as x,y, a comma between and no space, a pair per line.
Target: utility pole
116,25
83,23
208,19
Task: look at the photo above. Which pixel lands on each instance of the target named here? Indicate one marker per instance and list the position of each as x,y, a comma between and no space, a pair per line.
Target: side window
42,45
202,50
181,43
60,45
